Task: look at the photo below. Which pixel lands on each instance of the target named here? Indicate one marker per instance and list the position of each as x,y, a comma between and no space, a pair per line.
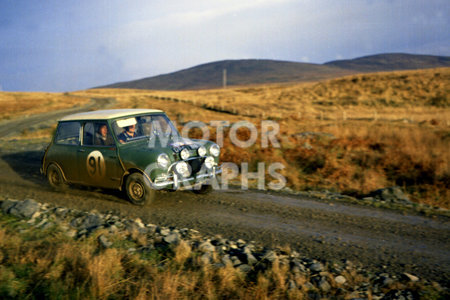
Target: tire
204,189
55,178
138,191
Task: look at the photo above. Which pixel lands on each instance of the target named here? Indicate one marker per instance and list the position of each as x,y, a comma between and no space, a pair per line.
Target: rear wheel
138,191
55,177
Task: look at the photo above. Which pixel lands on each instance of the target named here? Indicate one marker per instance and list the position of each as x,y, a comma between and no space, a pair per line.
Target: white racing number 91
95,164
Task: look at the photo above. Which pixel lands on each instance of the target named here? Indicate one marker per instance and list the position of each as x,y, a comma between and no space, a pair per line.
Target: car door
98,162
64,150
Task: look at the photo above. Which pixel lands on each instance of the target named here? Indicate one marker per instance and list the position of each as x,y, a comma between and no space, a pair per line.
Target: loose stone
316,267
340,279
104,242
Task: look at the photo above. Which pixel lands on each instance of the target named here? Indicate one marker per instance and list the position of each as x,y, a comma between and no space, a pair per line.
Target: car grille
196,164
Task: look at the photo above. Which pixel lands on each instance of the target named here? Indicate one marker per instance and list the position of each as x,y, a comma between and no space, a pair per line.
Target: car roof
108,114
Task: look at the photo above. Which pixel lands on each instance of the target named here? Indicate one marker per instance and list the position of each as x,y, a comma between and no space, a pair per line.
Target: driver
128,133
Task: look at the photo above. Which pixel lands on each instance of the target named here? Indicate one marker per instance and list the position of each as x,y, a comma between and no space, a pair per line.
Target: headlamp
182,168
209,162
214,150
163,160
184,154
201,151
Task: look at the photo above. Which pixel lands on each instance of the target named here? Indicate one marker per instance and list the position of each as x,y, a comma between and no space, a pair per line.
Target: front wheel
204,189
138,191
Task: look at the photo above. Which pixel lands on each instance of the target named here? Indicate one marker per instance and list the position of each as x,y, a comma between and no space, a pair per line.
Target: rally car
138,151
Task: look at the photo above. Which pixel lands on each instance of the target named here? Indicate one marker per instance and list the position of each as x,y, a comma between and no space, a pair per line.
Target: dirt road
380,240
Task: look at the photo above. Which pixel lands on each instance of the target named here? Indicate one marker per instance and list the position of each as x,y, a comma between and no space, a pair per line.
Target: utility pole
224,79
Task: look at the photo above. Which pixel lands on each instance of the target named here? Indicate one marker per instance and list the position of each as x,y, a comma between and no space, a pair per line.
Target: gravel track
379,239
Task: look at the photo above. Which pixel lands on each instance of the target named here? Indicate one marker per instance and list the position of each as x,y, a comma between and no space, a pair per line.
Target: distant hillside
391,62
239,72
255,71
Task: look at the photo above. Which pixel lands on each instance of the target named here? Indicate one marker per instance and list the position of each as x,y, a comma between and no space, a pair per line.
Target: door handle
81,150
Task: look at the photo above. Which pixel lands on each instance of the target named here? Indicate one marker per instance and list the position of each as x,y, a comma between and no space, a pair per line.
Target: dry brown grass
18,104
106,273
390,128
182,252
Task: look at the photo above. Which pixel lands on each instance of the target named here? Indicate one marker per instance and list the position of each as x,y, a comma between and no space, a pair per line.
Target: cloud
50,45
218,9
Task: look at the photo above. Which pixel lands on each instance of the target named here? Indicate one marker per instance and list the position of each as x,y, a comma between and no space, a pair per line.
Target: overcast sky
57,45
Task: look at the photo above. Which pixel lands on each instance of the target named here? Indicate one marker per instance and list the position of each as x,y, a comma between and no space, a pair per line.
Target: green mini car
135,150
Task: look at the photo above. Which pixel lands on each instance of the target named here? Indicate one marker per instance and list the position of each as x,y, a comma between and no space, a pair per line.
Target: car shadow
27,165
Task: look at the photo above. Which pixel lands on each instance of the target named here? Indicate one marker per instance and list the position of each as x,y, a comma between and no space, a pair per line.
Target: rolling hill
391,62
256,71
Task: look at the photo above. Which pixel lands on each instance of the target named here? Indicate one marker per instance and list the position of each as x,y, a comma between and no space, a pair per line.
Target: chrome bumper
175,181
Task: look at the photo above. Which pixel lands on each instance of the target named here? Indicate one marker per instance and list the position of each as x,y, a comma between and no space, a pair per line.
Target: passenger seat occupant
101,137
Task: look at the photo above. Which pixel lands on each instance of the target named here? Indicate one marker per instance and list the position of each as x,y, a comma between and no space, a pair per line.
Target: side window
97,133
88,134
68,133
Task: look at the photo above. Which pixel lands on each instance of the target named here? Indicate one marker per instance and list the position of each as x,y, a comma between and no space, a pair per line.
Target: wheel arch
59,168
128,173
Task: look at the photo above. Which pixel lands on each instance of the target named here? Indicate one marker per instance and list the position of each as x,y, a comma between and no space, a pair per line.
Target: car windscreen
138,127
